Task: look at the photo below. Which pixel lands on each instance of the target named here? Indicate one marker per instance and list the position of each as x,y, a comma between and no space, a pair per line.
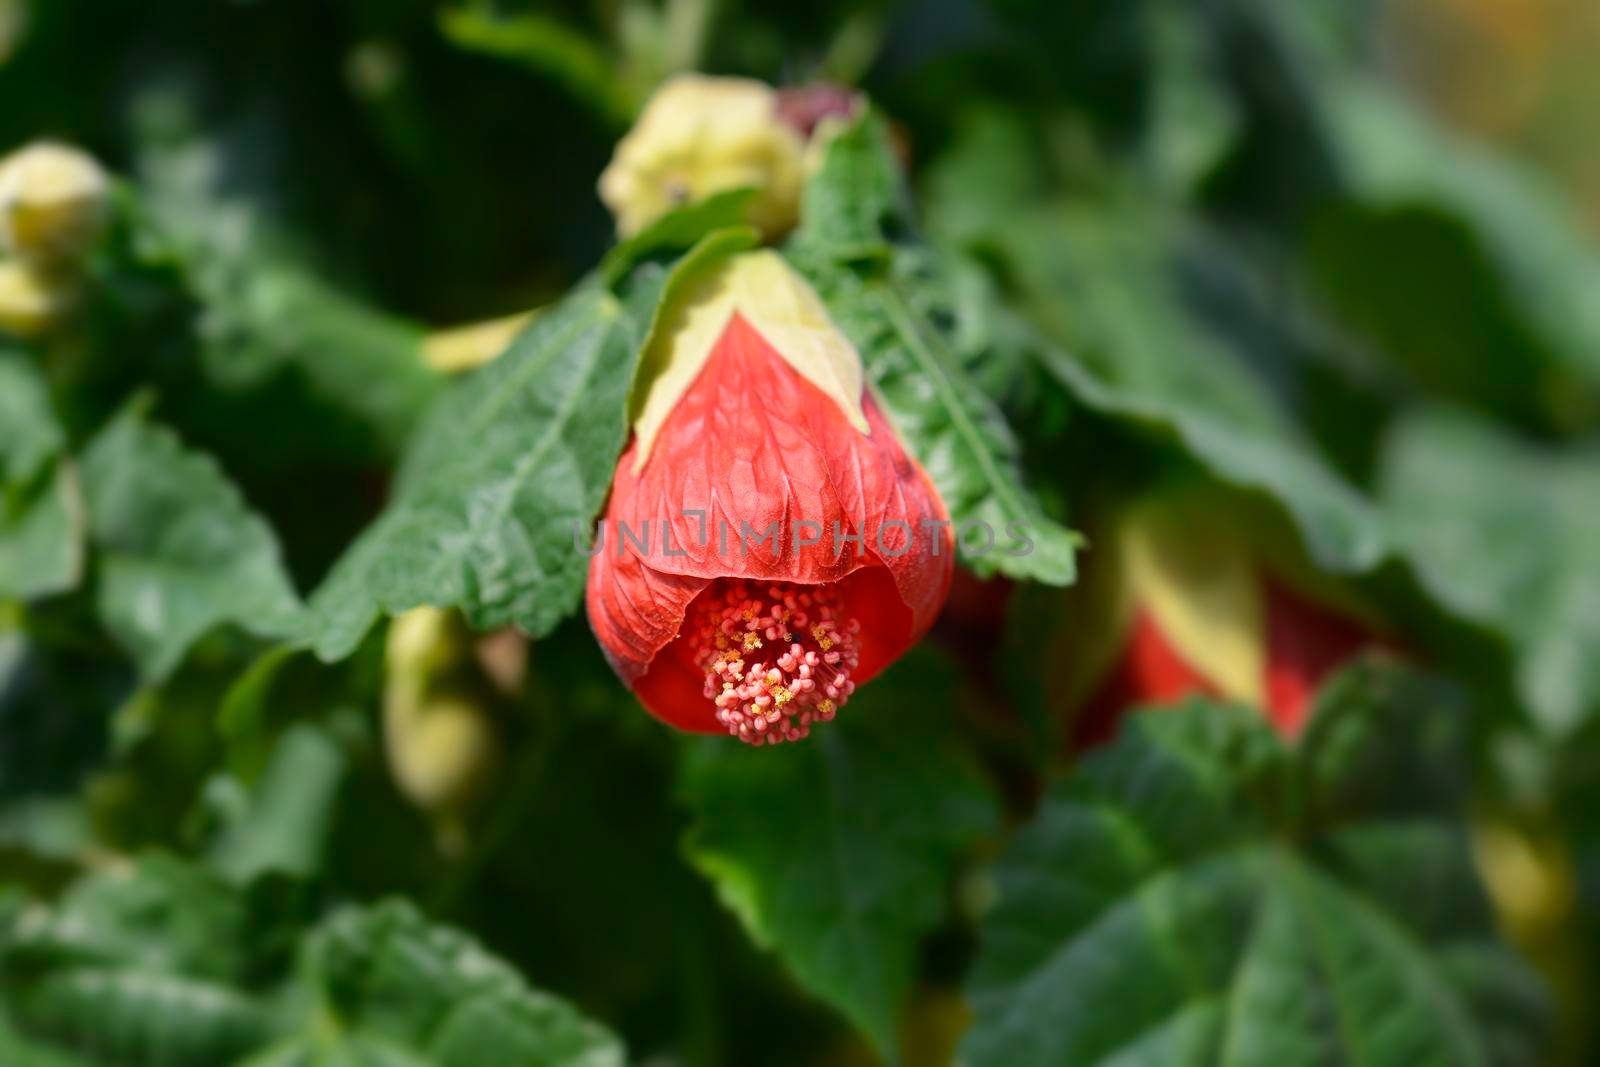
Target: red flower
1201,613
768,544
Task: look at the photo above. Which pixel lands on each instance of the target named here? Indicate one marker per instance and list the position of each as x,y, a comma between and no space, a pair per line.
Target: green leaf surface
41,536
285,828
1102,285
41,517
136,966
20,1051
1173,904
178,549
388,974
678,231
158,915
839,852
30,435
165,965
509,464
955,432
1497,307
1193,121
1113,285
1506,534
128,1016
857,200
949,424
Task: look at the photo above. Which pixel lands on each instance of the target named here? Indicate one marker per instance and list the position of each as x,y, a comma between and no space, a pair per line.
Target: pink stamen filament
777,657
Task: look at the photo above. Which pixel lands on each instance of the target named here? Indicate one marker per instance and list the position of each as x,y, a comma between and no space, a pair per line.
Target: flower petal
635,610
753,449
762,289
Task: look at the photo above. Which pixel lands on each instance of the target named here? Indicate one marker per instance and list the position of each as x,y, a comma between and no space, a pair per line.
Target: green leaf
1171,905
839,852
508,471
1509,319
508,463
166,966
1193,121
30,435
41,517
857,199
137,1017
992,169
1102,284
160,915
242,712
387,974
1506,534
678,231
954,430
1462,266
291,809
136,967
41,536
20,1051
179,550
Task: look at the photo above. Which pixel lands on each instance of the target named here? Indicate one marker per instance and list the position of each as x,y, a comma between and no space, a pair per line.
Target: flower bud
31,301
1529,877
424,643
440,736
443,752
53,203
754,415
1199,609
699,136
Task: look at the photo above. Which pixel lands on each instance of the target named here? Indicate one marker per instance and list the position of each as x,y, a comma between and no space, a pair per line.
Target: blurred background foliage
1335,255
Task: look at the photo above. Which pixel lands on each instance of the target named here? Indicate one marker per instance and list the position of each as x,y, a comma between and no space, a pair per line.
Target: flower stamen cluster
777,657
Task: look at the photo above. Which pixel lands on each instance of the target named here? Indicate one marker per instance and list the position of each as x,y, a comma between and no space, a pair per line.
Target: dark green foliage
1087,249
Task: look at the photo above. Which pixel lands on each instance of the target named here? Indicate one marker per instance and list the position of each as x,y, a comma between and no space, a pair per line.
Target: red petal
752,443
1151,672
635,610
1305,643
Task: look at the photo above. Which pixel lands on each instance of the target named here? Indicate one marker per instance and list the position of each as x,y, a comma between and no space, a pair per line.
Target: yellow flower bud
444,752
53,201
440,735
30,301
424,642
699,136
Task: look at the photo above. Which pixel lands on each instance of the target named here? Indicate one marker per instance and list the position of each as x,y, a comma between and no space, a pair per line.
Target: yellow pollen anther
751,642
825,706
781,696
